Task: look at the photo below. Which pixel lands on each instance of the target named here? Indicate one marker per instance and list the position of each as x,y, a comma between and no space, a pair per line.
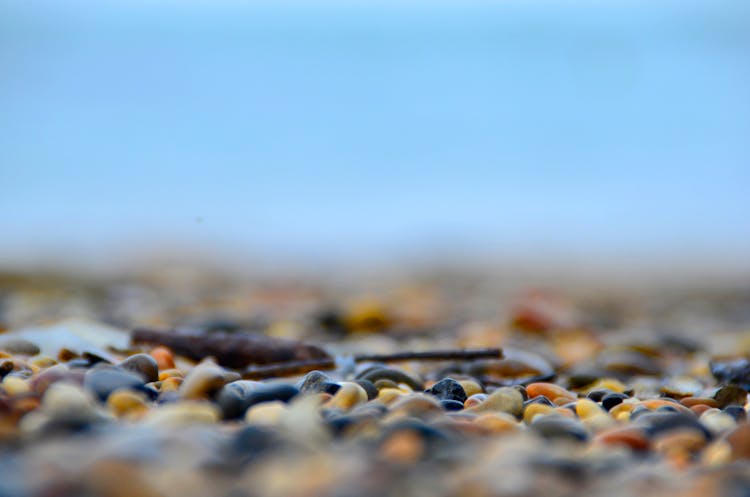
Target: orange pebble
657,403
632,437
698,401
164,357
699,409
549,390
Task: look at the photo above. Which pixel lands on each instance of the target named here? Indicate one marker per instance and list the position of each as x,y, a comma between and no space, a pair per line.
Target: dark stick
290,368
434,355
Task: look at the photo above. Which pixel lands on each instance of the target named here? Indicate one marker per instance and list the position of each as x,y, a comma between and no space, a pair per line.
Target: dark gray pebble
143,365
598,395
448,389
369,387
610,400
451,405
395,375
15,345
737,412
660,422
103,381
558,427
314,382
539,399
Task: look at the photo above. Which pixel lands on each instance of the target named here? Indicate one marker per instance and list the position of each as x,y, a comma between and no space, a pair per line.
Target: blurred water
322,130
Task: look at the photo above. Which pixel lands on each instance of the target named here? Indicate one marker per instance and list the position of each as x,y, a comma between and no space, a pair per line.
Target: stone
717,422
504,399
233,397
448,389
314,382
729,395
558,427
739,441
735,371
553,392
611,400
349,395
395,375
369,387
265,414
205,380
630,436
105,380
451,405
183,413
163,357
18,345
143,365
273,393
127,402
737,412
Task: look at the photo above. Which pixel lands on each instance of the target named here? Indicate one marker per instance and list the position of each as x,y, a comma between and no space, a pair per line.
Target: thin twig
291,368
434,355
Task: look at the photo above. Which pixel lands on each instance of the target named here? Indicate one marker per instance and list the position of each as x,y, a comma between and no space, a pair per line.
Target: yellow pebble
170,373
606,383
4,355
497,422
349,395
598,422
15,385
717,454
621,408
389,395
171,384
586,408
122,402
470,387
42,361
533,410
267,413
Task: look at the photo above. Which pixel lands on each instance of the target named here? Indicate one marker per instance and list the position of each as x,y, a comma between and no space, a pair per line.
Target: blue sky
326,130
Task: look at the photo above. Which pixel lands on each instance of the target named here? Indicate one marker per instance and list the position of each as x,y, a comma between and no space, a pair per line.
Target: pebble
555,393
448,389
314,382
504,399
265,414
394,375
102,382
369,387
611,400
475,400
717,422
732,371
630,436
737,412
497,422
143,365
127,402
18,345
205,380
533,410
272,393
730,395
558,427
233,397
471,387
739,441
163,357
183,413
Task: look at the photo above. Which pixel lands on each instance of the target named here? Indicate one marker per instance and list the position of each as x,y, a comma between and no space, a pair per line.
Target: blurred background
577,136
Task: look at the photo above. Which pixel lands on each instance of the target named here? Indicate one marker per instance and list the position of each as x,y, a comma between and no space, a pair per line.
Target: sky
355,131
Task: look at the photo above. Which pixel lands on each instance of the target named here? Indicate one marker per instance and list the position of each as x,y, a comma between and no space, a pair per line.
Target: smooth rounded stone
143,365
6,366
395,375
314,382
127,402
418,405
598,395
586,408
103,381
264,393
402,447
349,395
331,388
204,381
15,385
18,345
732,370
558,427
78,364
451,405
612,399
717,422
607,384
370,388
533,410
233,396
541,399
65,407
656,423
265,414
553,392
448,389
50,376
681,386
183,413
42,361
497,422
730,395
737,412
475,400
630,436
683,440
471,387
522,390
629,363
387,396
504,399
163,356
696,401
739,441
597,423
383,383
653,404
